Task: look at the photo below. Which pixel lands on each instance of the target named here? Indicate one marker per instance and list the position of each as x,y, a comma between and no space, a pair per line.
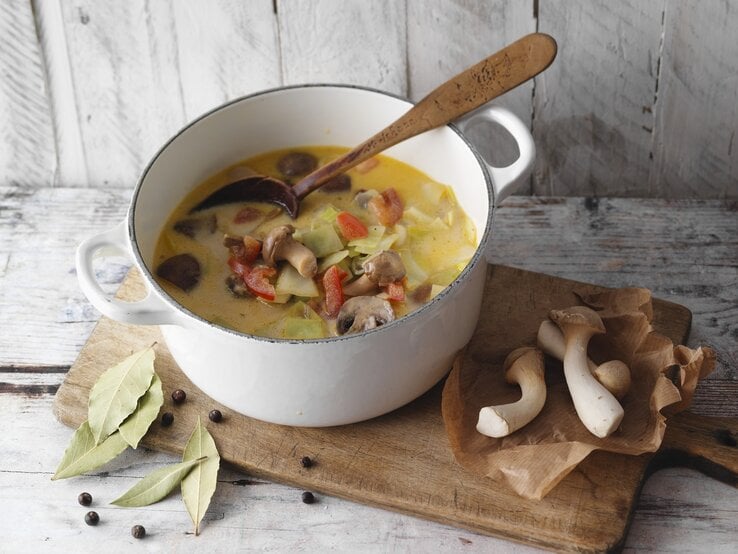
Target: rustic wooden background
642,100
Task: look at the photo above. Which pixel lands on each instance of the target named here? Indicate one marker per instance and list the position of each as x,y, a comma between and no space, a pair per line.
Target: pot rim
180,309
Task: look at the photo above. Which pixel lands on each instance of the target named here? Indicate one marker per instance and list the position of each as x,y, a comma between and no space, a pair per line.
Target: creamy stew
372,245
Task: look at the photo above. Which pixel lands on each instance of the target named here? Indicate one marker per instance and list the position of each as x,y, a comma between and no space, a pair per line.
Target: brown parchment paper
535,458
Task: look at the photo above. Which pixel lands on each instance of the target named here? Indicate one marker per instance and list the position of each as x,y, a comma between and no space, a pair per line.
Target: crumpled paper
534,459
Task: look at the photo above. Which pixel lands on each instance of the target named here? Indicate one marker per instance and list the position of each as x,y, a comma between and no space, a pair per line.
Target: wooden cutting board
402,461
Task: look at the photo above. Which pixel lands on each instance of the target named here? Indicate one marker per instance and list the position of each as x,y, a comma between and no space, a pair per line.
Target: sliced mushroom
614,375
182,270
362,313
380,270
279,245
597,408
524,367
237,287
294,164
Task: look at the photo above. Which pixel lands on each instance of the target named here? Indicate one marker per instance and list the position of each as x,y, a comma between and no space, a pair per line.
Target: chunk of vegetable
299,328
396,292
257,281
291,282
387,206
333,290
332,259
351,227
370,243
322,241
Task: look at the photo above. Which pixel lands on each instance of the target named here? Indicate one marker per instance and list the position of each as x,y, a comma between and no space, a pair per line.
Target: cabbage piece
300,328
322,241
370,243
332,259
291,282
326,215
415,274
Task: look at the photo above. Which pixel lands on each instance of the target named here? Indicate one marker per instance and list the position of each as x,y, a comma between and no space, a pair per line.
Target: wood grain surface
641,102
402,460
685,251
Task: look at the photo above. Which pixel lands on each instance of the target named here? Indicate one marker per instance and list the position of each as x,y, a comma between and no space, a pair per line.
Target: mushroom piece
523,366
182,270
596,407
279,245
614,375
381,269
362,313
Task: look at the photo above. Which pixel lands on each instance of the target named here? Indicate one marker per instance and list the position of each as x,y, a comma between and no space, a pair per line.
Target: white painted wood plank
124,78
27,153
695,143
444,38
344,41
226,49
45,317
253,514
593,106
679,509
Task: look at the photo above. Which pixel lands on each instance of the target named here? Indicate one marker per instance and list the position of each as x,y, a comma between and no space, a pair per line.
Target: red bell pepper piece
351,227
333,290
387,206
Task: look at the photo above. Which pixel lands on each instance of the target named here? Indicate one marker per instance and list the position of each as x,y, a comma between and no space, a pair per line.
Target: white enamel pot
311,382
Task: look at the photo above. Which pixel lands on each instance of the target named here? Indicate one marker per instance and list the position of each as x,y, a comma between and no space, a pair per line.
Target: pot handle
506,180
150,311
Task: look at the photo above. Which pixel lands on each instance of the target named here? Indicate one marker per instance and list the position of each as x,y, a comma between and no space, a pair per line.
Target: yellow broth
434,238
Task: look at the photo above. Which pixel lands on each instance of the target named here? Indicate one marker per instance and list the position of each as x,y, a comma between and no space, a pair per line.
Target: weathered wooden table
685,251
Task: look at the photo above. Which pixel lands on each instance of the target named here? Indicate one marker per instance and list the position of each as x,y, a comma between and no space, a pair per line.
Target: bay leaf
156,485
83,454
115,394
199,485
135,426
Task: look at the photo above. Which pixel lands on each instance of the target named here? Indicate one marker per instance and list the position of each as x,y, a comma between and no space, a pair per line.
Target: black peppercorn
166,419
138,531
179,396
84,498
306,461
91,518
308,498
215,416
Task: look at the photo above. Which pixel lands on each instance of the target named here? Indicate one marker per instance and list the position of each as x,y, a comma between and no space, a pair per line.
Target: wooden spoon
470,89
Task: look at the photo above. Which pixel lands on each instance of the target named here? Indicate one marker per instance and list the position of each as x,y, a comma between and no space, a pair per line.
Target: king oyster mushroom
597,408
362,313
279,245
524,367
614,375
381,269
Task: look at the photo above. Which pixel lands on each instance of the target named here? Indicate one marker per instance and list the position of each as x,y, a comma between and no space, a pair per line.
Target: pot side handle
149,311
508,179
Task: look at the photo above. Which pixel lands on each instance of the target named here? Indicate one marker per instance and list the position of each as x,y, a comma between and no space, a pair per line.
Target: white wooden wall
642,100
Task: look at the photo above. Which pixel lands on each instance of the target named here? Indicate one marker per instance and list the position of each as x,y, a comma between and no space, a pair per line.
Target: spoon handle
467,91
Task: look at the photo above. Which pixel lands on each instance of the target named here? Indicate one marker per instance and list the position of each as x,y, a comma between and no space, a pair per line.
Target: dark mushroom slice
339,183
279,245
237,287
295,164
182,270
362,313
380,270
